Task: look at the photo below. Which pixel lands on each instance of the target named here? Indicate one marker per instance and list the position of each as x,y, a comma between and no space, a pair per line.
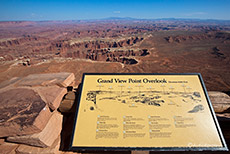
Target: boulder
70,95
66,106
220,101
23,112
68,103
46,137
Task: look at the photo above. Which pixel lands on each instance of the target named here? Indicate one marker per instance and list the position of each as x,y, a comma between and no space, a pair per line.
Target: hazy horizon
43,10
118,18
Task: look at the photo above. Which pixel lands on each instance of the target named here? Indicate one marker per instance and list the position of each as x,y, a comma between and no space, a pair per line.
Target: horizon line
117,18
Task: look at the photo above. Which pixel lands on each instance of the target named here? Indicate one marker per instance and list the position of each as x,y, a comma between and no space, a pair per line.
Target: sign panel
145,112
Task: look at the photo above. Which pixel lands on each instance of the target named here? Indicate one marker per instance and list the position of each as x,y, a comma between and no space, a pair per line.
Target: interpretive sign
145,112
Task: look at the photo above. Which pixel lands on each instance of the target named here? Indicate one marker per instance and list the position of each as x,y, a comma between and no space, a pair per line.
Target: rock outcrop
22,112
20,41
122,56
46,137
26,103
183,38
93,49
96,44
218,53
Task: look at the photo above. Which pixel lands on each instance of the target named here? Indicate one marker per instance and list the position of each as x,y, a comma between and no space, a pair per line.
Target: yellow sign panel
145,111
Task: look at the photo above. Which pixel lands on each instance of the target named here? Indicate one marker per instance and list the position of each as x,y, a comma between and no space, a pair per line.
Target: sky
38,10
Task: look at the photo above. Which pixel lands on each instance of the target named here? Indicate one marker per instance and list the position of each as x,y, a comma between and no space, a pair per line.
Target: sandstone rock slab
46,137
8,148
22,112
53,149
51,86
2,141
62,79
52,95
9,82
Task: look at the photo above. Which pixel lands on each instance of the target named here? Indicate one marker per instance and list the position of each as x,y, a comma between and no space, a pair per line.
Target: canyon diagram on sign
149,96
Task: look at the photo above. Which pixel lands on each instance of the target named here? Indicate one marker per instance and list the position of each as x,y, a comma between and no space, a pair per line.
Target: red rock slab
52,95
68,81
22,112
9,82
63,79
8,148
2,141
46,137
53,149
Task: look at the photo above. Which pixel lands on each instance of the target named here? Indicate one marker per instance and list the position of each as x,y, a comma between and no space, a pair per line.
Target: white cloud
117,12
32,14
35,16
195,13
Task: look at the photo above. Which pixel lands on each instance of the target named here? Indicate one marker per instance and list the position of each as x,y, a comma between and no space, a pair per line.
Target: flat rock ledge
26,104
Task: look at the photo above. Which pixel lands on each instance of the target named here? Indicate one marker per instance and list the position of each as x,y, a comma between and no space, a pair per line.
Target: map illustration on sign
148,97
150,111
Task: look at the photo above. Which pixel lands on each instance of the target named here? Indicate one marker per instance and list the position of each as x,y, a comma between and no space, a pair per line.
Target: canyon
42,63
139,46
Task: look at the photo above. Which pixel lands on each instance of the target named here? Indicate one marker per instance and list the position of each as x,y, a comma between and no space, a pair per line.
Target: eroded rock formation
182,38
